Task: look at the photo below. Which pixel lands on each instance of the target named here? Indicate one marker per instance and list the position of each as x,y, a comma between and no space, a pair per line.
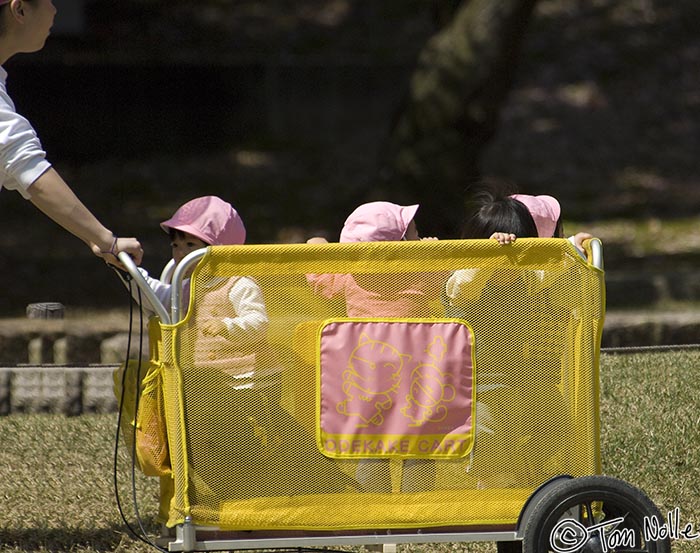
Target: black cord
144,534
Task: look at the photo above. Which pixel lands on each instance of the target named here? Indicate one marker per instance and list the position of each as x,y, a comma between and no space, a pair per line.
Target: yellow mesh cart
390,393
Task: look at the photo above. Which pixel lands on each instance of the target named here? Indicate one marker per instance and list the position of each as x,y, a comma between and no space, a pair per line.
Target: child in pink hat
379,297
209,219
241,317
471,293
378,222
499,215
546,214
232,371
503,217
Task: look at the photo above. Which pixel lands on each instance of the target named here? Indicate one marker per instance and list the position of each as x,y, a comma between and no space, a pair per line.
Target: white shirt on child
456,286
22,159
250,324
248,327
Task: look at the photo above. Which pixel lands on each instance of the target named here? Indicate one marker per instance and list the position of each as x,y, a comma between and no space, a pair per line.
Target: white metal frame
185,540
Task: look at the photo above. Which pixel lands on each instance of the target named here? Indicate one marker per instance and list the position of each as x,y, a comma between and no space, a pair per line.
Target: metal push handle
146,290
187,263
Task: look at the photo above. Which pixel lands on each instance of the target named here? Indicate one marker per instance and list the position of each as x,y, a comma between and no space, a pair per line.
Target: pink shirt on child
377,295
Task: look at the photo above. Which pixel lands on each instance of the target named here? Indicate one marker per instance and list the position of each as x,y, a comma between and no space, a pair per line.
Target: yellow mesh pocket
144,432
151,432
126,388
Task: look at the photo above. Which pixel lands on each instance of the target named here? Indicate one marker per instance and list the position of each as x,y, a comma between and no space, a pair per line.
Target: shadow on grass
71,539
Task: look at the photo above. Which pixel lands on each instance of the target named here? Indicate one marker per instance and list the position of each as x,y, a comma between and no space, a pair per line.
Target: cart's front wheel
594,514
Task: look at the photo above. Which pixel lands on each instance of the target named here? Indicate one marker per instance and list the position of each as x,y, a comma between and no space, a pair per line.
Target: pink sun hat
545,211
378,222
210,219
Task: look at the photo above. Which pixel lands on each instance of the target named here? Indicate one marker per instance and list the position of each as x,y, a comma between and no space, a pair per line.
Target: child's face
183,243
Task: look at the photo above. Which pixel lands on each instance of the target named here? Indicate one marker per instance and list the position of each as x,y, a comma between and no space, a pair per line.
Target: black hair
177,233
558,229
491,209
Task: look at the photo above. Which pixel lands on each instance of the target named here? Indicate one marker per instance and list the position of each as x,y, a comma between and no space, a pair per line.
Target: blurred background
297,111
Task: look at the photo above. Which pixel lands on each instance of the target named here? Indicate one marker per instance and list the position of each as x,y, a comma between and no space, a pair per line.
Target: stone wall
69,390
63,365
72,374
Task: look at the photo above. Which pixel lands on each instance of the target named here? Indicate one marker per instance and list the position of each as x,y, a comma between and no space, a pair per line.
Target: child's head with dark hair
204,221
494,209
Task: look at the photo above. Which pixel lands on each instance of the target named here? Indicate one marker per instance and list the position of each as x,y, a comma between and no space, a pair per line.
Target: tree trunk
451,110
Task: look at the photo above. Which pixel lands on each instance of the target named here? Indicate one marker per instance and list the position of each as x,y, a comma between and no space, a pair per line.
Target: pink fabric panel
395,389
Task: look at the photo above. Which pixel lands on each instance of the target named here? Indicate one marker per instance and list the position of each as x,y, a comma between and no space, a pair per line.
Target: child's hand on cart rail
579,238
503,238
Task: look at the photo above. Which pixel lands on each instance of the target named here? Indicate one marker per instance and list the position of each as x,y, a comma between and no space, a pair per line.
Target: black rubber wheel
571,517
509,546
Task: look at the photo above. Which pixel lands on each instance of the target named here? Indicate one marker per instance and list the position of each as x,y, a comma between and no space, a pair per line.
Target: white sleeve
22,158
459,278
251,323
161,290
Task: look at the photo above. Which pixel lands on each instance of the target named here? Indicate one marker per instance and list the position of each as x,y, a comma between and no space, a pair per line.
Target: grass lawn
57,489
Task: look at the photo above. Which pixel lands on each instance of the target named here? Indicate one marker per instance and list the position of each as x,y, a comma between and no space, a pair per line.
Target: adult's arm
51,195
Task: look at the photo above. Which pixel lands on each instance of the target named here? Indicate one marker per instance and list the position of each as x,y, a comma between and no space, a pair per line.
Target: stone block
98,389
38,390
46,310
40,350
632,335
73,398
5,392
631,291
681,333
684,286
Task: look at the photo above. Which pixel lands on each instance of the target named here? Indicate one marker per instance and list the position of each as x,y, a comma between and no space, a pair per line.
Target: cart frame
188,536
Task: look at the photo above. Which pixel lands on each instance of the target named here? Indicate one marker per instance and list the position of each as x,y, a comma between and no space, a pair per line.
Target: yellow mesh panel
242,414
